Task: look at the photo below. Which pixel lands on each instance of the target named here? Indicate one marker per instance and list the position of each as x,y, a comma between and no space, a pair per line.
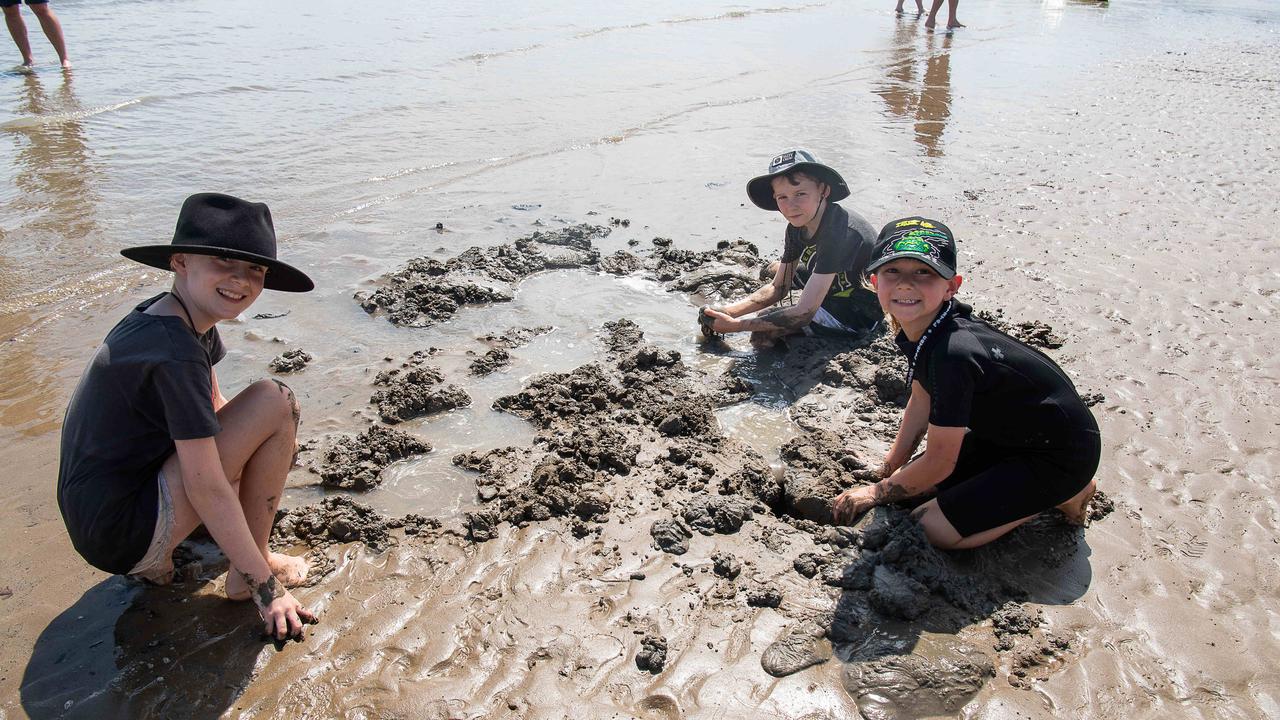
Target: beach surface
529,486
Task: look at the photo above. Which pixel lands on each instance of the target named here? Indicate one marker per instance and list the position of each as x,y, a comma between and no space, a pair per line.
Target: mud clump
490,361
356,463
332,520
290,361
1011,621
599,448
556,487
725,565
427,291
1100,506
652,656
730,271
1030,332
764,597
898,596
670,536
514,337
621,263
422,303
414,390
820,466
711,514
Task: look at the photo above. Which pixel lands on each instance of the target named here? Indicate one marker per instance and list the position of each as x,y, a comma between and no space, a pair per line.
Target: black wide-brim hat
226,226
760,189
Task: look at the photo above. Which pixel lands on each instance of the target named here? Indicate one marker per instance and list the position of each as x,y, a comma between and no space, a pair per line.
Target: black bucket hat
760,189
226,226
916,238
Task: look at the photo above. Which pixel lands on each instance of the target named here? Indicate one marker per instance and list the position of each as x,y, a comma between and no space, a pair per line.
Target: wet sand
1127,212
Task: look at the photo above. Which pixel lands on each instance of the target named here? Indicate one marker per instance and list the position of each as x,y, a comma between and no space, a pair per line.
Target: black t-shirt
1002,390
148,384
842,246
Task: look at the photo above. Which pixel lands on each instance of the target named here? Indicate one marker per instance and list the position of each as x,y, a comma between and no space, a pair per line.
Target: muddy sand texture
356,462
554,585
415,389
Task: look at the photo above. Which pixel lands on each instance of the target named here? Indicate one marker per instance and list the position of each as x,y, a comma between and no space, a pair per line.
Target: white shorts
827,320
158,552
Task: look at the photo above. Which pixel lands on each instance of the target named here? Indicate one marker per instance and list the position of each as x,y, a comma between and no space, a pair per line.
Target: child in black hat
150,447
825,254
1008,436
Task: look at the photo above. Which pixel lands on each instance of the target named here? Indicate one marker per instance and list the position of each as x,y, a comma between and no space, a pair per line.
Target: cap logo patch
786,158
912,245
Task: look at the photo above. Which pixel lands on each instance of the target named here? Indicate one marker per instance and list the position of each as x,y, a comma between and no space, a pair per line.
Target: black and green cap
916,238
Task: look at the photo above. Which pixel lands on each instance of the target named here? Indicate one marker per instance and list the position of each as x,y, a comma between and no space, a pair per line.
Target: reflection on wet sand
923,101
54,197
54,176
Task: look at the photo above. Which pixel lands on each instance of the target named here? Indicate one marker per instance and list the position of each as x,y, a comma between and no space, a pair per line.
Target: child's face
222,287
797,203
911,291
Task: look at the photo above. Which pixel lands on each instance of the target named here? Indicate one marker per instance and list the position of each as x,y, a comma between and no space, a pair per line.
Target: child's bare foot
159,575
954,24
1077,508
66,64
289,570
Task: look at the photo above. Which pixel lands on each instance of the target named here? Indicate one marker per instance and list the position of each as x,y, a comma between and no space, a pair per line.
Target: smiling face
217,288
798,197
912,293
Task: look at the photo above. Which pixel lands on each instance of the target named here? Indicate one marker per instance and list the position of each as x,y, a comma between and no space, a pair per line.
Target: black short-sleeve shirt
148,384
842,246
1002,390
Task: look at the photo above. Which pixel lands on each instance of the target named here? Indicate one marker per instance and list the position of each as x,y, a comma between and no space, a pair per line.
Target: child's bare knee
277,399
291,408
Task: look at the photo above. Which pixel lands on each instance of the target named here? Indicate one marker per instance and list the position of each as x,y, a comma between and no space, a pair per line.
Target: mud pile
339,519
427,291
594,422
290,361
356,462
415,389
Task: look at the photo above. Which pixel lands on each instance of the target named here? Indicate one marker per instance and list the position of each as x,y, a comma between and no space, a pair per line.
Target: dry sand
1150,199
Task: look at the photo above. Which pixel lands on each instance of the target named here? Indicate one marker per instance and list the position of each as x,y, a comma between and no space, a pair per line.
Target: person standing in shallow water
150,447
48,22
952,23
1008,436
825,253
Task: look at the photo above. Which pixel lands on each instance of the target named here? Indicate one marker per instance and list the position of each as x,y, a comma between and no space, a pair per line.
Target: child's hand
283,614
852,503
720,322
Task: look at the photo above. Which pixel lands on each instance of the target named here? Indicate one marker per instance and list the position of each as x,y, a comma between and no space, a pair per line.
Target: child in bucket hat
1008,436
825,252
150,447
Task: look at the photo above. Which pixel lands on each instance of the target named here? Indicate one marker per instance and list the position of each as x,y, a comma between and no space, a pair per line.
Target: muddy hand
283,616
851,504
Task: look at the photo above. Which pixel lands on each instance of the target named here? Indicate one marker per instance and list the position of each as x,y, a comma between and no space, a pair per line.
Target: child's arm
916,477
785,318
218,399
915,421
766,296
218,507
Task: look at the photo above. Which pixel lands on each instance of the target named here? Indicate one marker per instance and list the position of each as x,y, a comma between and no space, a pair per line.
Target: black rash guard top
1003,391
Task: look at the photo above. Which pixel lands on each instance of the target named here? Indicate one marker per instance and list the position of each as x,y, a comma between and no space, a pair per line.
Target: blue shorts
11,3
